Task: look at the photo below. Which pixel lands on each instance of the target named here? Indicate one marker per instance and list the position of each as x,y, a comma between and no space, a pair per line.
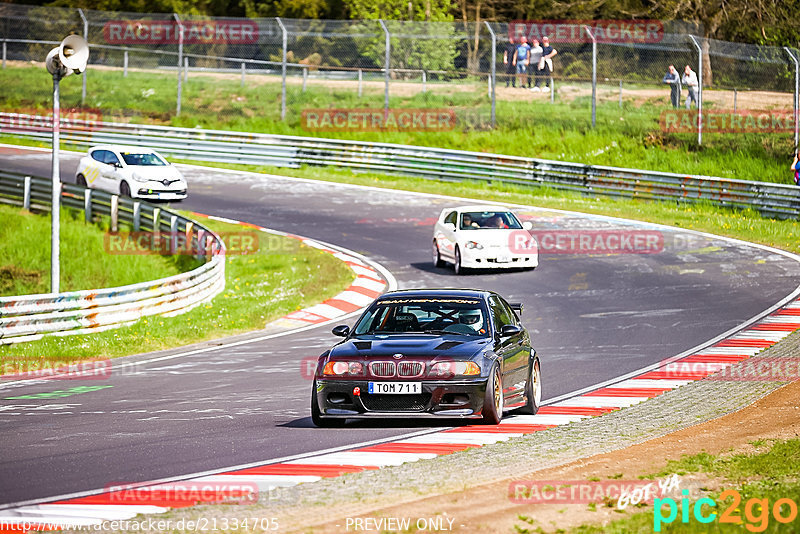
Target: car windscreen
460,316
481,220
143,158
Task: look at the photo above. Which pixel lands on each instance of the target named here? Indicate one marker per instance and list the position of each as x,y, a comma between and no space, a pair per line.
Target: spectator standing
690,81
521,57
508,61
796,168
536,57
674,81
545,69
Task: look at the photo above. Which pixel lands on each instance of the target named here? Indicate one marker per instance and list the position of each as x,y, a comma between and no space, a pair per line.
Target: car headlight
343,369
473,244
450,369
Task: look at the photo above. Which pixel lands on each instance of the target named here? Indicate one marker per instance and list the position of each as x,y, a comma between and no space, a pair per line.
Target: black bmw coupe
445,353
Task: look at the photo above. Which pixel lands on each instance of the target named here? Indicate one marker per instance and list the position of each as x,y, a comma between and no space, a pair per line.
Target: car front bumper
497,258
158,194
439,399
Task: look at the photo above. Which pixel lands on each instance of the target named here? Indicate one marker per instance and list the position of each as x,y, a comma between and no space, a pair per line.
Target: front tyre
80,180
437,258
493,398
316,415
457,263
533,390
124,189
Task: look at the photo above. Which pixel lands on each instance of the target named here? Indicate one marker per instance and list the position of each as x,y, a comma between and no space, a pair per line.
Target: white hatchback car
131,172
486,237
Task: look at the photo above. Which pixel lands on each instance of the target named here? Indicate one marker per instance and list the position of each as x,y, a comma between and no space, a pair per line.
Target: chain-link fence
325,75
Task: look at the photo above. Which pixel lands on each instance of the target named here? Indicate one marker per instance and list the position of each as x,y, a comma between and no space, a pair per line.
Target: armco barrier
29,317
770,199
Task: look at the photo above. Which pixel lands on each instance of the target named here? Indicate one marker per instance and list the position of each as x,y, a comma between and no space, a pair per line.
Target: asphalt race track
593,317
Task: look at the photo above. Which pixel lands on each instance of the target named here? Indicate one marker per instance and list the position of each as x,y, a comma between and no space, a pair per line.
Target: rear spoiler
516,306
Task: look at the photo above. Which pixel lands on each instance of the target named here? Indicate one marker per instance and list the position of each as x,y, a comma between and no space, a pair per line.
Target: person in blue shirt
521,57
796,168
674,80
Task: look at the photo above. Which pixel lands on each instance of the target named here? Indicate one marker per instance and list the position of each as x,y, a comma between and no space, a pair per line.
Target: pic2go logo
756,511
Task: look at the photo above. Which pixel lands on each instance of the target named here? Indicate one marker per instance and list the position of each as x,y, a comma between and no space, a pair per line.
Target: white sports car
131,172
486,237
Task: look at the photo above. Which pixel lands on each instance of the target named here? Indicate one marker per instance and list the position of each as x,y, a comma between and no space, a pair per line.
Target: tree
428,46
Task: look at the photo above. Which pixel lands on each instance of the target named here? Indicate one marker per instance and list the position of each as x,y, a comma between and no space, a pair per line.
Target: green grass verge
767,475
741,224
282,276
630,136
25,256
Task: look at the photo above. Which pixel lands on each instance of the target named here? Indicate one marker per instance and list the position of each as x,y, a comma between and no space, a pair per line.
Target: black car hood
411,345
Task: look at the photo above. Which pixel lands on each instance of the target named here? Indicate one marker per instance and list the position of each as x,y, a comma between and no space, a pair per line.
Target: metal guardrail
769,199
29,317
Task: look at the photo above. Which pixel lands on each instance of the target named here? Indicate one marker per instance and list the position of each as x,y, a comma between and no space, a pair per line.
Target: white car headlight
473,244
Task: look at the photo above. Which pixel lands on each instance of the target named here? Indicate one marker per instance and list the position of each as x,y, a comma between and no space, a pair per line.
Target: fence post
87,204
386,69
735,98
125,64
796,94
305,78
493,74
283,67
114,213
424,81
26,194
85,36
699,90
243,71
137,215
620,94
360,77
552,90
5,51
180,61
173,234
594,75
185,69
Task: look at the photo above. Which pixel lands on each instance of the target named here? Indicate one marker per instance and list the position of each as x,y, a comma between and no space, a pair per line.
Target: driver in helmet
472,318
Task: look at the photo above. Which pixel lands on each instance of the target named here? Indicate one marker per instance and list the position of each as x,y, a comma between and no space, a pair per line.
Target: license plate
503,259
395,388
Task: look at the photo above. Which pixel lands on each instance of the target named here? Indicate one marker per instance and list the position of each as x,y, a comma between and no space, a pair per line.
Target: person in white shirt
536,56
690,81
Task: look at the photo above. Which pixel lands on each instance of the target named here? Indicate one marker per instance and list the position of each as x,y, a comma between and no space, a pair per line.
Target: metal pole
85,36
386,68
185,70
493,74
4,53
305,78
243,71
180,61
594,76
424,81
620,94
360,79
125,64
796,95
699,90
55,227
283,68
735,97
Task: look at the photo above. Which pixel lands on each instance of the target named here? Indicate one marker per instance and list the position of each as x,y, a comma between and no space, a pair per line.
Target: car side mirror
527,225
342,330
450,226
510,330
